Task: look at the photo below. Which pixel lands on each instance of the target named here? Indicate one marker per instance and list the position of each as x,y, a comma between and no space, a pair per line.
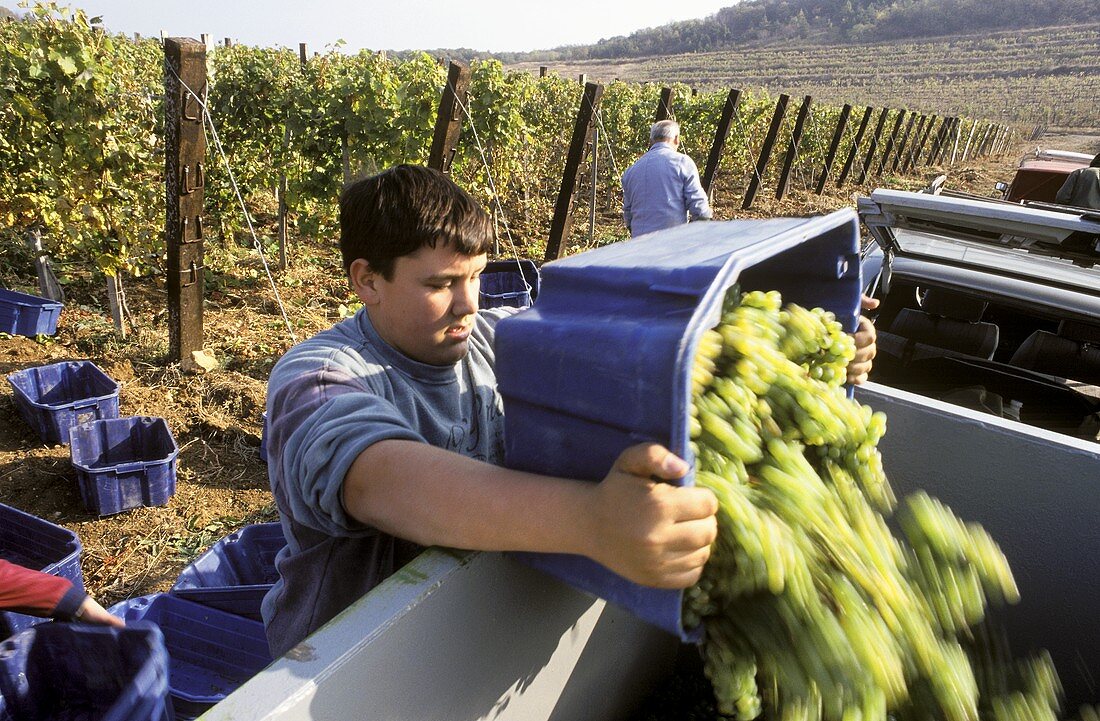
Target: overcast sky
493,25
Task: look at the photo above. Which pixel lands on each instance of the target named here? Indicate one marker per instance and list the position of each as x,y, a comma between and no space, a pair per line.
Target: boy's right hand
650,532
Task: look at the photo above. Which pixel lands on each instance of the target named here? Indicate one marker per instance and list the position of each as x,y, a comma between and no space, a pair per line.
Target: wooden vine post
853,152
664,106
904,141
891,142
185,151
919,147
834,145
721,134
579,147
873,148
766,150
792,149
448,120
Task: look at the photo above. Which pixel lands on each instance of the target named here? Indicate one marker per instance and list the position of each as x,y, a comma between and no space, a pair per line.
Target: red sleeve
25,591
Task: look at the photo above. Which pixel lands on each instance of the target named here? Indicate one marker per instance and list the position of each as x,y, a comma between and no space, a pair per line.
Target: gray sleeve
695,198
321,417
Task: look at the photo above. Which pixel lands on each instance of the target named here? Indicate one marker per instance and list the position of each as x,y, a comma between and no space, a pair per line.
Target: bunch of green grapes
812,609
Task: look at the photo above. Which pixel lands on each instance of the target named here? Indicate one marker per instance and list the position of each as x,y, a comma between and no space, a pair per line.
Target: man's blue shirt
661,189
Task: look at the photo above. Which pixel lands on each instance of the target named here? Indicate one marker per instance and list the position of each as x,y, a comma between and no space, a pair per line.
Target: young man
662,188
385,431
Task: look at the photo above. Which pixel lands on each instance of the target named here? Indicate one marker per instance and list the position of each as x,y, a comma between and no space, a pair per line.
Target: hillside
824,22
1044,76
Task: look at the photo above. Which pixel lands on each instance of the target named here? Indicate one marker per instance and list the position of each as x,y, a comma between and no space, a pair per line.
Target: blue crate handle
132,467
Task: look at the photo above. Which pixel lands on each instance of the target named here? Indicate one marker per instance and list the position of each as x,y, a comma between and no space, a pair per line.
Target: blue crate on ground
75,672
210,652
603,360
124,463
35,543
235,573
512,283
26,314
53,398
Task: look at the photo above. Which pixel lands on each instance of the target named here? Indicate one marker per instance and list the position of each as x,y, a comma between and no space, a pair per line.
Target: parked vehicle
1041,174
989,305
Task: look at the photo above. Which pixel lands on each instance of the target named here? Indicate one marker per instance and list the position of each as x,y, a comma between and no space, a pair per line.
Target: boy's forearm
436,497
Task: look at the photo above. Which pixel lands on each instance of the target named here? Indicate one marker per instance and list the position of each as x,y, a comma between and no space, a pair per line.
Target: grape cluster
812,608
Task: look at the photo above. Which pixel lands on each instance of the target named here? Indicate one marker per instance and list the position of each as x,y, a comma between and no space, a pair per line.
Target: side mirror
1001,187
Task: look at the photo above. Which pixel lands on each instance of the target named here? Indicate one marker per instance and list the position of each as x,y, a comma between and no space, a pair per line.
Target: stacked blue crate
26,314
210,652
603,360
53,398
75,672
124,463
509,283
35,543
235,573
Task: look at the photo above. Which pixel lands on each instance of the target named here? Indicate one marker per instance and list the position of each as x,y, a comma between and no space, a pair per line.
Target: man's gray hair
664,131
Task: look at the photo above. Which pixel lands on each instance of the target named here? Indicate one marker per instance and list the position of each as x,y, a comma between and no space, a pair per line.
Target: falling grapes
813,610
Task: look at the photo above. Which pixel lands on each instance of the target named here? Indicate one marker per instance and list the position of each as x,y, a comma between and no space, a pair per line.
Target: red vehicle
1041,174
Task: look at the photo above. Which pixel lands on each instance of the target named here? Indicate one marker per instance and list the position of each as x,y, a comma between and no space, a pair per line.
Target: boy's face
426,310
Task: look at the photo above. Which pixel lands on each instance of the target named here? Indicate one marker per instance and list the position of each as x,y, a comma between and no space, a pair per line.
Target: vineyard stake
721,134
448,119
969,138
766,150
946,142
792,149
903,143
893,139
854,150
579,147
917,133
873,147
185,150
664,106
919,147
934,151
834,144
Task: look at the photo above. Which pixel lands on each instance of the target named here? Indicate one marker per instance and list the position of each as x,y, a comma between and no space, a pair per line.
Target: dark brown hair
404,209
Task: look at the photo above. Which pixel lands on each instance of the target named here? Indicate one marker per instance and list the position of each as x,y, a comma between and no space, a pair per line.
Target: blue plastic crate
210,652
512,283
603,360
76,672
26,314
54,398
124,463
235,573
32,542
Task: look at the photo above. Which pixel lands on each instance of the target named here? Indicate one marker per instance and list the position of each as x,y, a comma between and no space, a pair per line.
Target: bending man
661,189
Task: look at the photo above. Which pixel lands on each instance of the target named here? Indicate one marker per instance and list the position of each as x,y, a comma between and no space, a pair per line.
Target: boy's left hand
865,336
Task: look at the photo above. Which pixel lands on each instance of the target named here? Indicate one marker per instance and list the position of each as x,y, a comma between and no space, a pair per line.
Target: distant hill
822,22
6,14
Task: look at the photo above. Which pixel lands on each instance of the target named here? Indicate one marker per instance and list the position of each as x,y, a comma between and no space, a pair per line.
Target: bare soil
216,416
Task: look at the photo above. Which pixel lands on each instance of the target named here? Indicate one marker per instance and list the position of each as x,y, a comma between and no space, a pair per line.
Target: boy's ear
364,281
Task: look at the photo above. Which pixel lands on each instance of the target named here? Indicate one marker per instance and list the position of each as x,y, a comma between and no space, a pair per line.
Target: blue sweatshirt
329,398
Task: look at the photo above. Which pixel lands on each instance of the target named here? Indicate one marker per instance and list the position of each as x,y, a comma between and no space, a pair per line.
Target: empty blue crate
124,463
54,398
603,360
76,672
26,314
235,573
34,543
511,283
210,652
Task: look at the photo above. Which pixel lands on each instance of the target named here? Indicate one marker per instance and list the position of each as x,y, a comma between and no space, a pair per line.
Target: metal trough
479,636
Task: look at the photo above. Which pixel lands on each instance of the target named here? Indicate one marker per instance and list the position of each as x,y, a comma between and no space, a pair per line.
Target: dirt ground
216,416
